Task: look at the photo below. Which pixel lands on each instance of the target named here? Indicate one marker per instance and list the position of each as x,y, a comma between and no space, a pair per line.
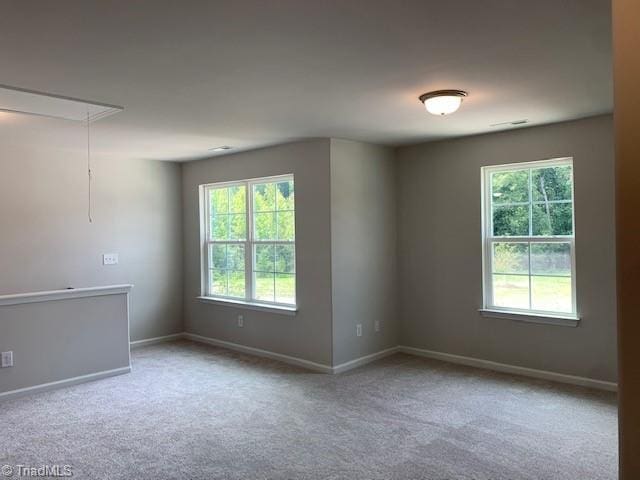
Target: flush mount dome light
442,102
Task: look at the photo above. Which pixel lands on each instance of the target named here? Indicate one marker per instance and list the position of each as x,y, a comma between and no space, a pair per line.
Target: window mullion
533,239
490,203
530,282
574,297
530,234
488,252
226,269
274,266
206,264
488,245
530,205
248,252
207,237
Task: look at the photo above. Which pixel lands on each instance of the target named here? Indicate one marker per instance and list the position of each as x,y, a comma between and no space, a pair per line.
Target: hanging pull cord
89,173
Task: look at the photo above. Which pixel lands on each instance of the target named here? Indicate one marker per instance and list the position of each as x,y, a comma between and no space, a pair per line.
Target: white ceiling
193,75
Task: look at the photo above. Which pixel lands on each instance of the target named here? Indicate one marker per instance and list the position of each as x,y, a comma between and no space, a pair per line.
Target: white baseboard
300,362
343,367
322,368
154,340
505,368
44,387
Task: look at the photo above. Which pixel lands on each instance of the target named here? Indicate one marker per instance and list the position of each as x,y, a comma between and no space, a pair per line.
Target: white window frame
538,316
249,243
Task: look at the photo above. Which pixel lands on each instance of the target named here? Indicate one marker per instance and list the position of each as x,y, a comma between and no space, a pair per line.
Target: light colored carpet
190,411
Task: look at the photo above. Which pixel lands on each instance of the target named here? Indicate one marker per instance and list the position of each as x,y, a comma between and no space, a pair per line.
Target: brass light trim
443,93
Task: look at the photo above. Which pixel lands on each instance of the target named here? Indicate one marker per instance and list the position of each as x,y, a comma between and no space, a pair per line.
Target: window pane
511,221
235,257
285,288
218,257
285,259
511,291
285,196
237,226
551,259
264,258
511,258
220,227
552,219
265,226
265,286
510,187
218,282
286,226
236,284
264,197
238,199
219,198
552,183
227,270
551,294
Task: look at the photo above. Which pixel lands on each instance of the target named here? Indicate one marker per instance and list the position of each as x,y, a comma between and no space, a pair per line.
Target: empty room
296,239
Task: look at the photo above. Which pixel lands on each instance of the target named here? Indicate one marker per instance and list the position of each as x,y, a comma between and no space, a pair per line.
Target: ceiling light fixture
442,102
221,148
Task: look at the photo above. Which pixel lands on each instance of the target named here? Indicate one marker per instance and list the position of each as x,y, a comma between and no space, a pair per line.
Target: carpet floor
191,411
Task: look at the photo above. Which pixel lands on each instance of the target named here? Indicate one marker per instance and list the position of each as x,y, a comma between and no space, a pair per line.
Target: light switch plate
110,259
7,359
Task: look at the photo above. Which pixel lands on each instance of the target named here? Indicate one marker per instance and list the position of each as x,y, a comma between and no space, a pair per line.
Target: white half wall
63,335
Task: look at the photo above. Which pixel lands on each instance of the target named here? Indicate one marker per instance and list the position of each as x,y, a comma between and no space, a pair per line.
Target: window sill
563,321
262,307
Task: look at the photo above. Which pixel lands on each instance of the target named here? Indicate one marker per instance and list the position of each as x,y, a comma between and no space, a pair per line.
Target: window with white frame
248,237
529,238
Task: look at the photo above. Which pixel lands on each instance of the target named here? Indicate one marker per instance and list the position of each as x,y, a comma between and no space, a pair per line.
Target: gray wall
57,340
46,242
306,335
346,201
439,250
363,248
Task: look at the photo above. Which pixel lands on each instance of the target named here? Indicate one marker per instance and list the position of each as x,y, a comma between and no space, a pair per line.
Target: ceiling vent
514,123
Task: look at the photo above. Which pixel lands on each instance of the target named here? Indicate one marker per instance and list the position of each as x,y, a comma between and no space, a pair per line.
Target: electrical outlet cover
110,259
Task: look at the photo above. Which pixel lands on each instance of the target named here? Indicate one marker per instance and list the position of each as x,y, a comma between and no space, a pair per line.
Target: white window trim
262,307
527,315
249,301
